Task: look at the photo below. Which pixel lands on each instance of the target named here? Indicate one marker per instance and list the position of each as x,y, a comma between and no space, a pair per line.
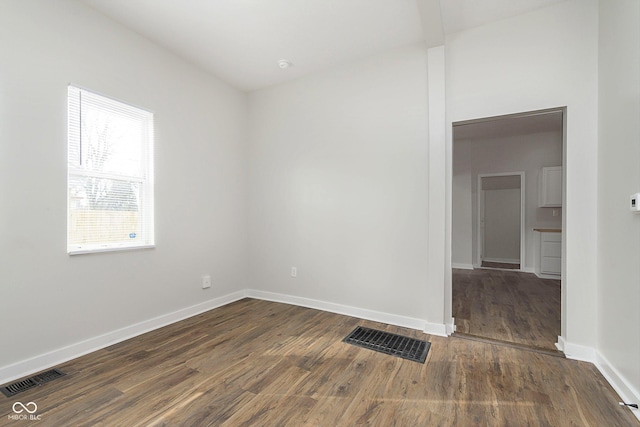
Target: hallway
508,306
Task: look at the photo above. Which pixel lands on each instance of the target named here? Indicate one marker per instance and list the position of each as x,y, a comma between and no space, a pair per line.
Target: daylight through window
110,174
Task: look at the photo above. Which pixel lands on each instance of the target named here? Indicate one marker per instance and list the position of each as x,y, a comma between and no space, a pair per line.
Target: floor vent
34,381
385,342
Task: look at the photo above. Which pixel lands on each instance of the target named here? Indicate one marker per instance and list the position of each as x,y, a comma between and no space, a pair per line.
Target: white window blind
110,174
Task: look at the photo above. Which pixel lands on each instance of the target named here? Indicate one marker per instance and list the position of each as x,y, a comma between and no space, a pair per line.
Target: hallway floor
508,306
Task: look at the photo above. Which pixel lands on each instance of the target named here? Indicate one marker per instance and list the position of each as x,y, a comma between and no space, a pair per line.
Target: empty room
256,213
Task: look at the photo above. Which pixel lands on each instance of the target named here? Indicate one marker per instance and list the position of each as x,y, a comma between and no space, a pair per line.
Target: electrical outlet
294,272
206,282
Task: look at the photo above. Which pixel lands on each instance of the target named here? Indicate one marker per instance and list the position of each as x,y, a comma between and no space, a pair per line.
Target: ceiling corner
431,19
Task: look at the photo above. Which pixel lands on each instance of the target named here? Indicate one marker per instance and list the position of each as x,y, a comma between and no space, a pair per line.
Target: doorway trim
448,176
480,229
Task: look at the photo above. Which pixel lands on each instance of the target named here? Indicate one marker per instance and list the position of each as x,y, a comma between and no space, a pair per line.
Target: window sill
93,250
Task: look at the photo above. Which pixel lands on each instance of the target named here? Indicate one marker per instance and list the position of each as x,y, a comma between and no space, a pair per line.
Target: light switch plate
634,202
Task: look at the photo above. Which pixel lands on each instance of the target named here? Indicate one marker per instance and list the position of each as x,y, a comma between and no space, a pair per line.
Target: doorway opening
495,250
501,235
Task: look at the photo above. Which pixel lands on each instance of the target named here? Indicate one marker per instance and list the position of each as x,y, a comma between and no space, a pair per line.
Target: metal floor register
385,342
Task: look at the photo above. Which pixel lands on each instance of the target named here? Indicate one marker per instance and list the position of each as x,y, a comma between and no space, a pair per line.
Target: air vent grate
34,381
385,342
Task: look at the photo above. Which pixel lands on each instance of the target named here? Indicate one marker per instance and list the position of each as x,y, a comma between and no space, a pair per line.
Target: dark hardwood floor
258,363
508,306
501,265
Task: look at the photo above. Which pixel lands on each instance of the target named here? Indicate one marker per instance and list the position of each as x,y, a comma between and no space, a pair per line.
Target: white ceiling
460,15
241,41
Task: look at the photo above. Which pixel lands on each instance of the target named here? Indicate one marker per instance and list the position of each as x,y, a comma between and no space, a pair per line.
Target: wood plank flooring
508,306
258,363
502,265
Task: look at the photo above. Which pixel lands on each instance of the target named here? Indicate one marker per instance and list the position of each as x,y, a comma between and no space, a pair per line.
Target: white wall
463,229
338,185
619,177
527,153
50,299
547,58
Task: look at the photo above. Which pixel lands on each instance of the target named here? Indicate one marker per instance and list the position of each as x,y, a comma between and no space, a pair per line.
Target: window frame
76,170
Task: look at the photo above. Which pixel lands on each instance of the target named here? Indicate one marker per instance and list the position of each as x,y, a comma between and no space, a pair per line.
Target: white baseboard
626,391
462,266
376,316
547,276
47,360
620,384
439,329
579,352
528,270
450,327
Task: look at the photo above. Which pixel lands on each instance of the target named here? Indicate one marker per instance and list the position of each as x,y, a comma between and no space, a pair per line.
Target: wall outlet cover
206,282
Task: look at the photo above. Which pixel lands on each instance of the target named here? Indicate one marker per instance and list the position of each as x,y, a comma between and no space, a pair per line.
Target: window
110,174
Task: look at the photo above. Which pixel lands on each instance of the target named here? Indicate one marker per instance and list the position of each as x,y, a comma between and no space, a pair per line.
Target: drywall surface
338,186
55,300
527,153
544,59
462,228
619,176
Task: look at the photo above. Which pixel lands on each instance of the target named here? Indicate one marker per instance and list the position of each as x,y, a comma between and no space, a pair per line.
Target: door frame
480,212
448,176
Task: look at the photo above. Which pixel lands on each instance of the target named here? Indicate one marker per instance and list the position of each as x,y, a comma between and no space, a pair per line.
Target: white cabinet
550,253
550,187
